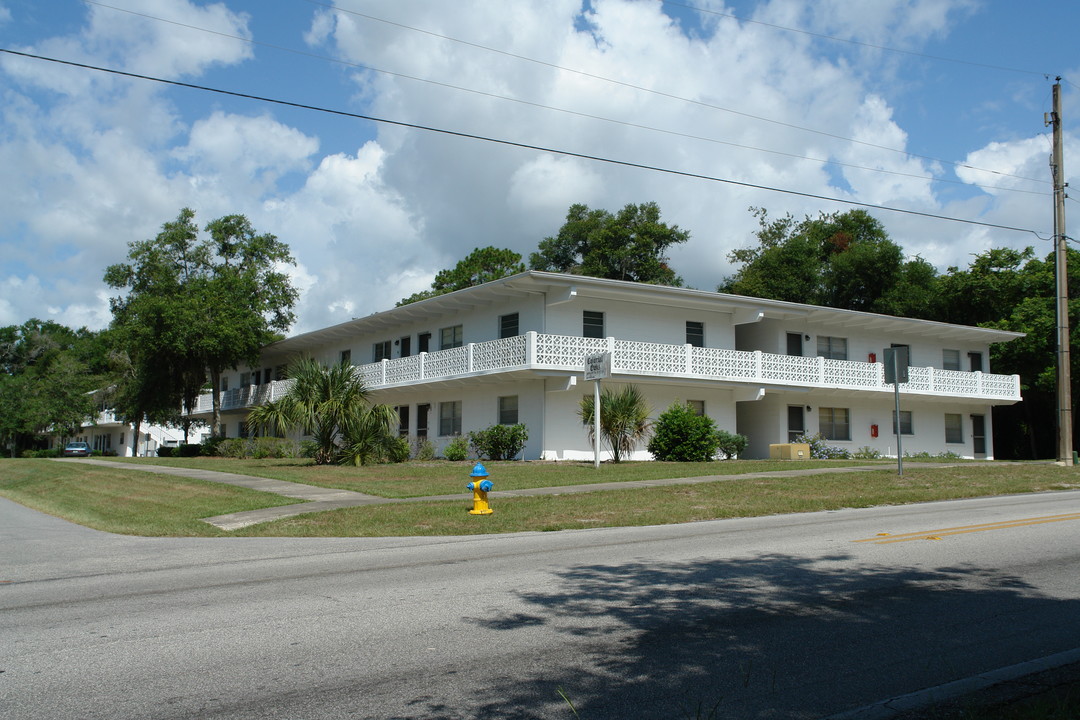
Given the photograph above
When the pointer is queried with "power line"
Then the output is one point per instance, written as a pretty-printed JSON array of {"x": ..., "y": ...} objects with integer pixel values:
[
  {"x": 525, "y": 146},
  {"x": 671, "y": 96},
  {"x": 576, "y": 113}
]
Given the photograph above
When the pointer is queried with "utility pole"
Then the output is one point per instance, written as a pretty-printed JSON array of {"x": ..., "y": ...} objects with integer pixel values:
[{"x": 1064, "y": 380}]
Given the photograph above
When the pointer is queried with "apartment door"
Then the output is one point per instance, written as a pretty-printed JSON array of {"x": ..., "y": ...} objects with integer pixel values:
[
  {"x": 978, "y": 435},
  {"x": 976, "y": 360},
  {"x": 403, "y": 420},
  {"x": 406, "y": 346},
  {"x": 794, "y": 344},
  {"x": 796, "y": 422},
  {"x": 423, "y": 340}
]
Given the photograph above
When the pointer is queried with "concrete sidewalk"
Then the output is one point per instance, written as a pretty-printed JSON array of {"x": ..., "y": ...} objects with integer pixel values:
[{"x": 319, "y": 499}]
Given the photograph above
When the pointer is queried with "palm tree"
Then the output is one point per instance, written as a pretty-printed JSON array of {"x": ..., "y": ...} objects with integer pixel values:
[
  {"x": 329, "y": 402},
  {"x": 624, "y": 419}
]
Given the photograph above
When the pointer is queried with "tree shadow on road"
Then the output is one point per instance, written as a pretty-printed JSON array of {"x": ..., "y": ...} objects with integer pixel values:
[{"x": 775, "y": 636}]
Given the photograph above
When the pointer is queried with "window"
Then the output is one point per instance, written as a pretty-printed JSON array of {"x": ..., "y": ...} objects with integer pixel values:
[
  {"x": 403, "y": 420},
  {"x": 346, "y": 357},
  {"x": 954, "y": 428},
  {"x": 835, "y": 423},
  {"x": 794, "y": 344},
  {"x": 592, "y": 324},
  {"x": 696, "y": 406},
  {"x": 451, "y": 337},
  {"x": 508, "y": 325},
  {"x": 832, "y": 348},
  {"x": 450, "y": 418},
  {"x": 950, "y": 359},
  {"x": 422, "y": 412},
  {"x": 380, "y": 351},
  {"x": 245, "y": 379},
  {"x": 905, "y": 423},
  {"x": 508, "y": 410},
  {"x": 695, "y": 333}
]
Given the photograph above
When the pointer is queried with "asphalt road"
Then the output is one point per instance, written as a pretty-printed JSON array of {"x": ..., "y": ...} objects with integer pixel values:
[{"x": 796, "y": 616}]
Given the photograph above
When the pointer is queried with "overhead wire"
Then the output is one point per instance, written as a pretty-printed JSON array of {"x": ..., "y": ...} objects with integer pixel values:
[
  {"x": 520, "y": 101},
  {"x": 512, "y": 143},
  {"x": 672, "y": 96}
]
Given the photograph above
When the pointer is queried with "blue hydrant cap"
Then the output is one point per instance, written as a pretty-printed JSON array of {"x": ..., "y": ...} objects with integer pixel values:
[
  {"x": 486, "y": 485},
  {"x": 478, "y": 471}
]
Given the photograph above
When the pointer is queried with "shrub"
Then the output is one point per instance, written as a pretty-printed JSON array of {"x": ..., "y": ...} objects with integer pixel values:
[
  {"x": 166, "y": 451},
  {"x": 820, "y": 451},
  {"x": 731, "y": 444},
  {"x": 308, "y": 448},
  {"x": 210, "y": 445},
  {"x": 499, "y": 442},
  {"x": 866, "y": 453},
  {"x": 457, "y": 449},
  {"x": 680, "y": 435},
  {"x": 232, "y": 448},
  {"x": 422, "y": 449},
  {"x": 189, "y": 450}
]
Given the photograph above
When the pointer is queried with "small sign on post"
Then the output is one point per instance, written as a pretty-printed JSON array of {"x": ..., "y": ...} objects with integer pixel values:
[
  {"x": 597, "y": 367},
  {"x": 896, "y": 372}
]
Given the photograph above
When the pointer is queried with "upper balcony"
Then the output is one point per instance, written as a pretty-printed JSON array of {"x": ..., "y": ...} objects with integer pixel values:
[{"x": 642, "y": 360}]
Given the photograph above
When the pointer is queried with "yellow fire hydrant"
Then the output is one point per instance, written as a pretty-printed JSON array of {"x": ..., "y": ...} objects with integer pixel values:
[{"x": 479, "y": 491}]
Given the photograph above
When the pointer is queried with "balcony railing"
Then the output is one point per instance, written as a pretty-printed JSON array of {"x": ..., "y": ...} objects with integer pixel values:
[{"x": 534, "y": 351}]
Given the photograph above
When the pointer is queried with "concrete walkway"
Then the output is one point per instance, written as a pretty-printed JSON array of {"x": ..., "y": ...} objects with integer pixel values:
[{"x": 318, "y": 499}]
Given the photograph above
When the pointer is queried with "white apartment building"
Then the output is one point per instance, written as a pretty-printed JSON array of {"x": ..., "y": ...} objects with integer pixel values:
[{"x": 514, "y": 350}]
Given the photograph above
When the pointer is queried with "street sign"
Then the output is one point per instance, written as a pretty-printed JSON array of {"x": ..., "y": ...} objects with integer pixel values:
[
  {"x": 896, "y": 364},
  {"x": 598, "y": 366}
]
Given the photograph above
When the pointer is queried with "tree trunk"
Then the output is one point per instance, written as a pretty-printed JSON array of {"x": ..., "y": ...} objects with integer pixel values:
[
  {"x": 137, "y": 431},
  {"x": 215, "y": 394}
]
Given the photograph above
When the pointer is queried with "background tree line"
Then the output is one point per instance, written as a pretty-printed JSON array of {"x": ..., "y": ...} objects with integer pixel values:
[{"x": 191, "y": 306}]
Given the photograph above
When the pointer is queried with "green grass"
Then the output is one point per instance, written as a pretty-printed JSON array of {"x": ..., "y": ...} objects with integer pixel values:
[
  {"x": 126, "y": 501},
  {"x": 419, "y": 479}
]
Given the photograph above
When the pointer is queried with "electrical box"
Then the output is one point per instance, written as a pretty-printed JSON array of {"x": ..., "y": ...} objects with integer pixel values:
[{"x": 789, "y": 451}]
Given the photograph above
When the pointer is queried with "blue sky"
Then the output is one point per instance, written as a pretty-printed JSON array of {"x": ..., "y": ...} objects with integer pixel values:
[{"x": 740, "y": 90}]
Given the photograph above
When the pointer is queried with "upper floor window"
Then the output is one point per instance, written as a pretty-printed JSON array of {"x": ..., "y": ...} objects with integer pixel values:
[
  {"x": 592, "y": 324},
  {"x": 695, "y": 333},
  {"x": 346, "y": 357},
  {"x": 834, "y": 423},
  {"x": 380, "y": 351},
  {"x": 950, "y": 359},
  {"x": 245, "y": 379},
  {"x": 508, "y": 325},
  {"x": 451, "y": 337},
  {"x": 832, "y": 348}
]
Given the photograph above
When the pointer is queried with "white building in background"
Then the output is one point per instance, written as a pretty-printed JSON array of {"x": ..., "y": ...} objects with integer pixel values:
[
  {"x": 108, "y": 434},
  {"x": 513, "y": 350}
]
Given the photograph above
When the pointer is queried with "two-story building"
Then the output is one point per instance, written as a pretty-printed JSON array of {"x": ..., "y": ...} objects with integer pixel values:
[{"x": 514, "y": 350}]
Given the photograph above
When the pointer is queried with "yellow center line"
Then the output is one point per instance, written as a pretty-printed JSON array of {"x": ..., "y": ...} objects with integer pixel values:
[{"x": 886, "y": 538}]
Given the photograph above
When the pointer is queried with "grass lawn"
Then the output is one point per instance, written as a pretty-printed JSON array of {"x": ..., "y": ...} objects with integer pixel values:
[{"x": 125, "y": 501}]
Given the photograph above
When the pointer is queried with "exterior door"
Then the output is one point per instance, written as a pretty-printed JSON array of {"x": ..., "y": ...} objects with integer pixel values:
[
  {"x": 794, "y": 344},
  {"x": 422, "y": 412},
  {"x": 978, "y": 435},
  {"x": 796, "y": 422},
  {"x": 406, "y": 346}
]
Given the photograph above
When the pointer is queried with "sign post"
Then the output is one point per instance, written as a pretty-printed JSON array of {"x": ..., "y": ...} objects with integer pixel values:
[
  {"x": 896, "y": 372},
  {"x": 597, "y": 367}
]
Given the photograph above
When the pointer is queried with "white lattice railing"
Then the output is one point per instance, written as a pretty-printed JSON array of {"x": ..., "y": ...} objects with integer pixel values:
[{"x": 534, "y": 351}]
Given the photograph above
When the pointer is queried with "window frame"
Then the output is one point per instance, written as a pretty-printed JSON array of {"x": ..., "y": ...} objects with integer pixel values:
[
  {"x": 382, "y": 350},
  {"x": 835, "y": 348},
  {"x": 695, "y": 333},
  {"x": 950, "y": 361},
  {"x": 450, "y": 418},
  {"x": 508, "y": 415},
  {"x": 910, "y": 421},
  {"x": 590, "y": 320},
  {"x": 452, "y": 336},
  {"x": 954, "y": 435},
  {"x": 829, "y": 426},
  {"x": 508, "y": 322}
]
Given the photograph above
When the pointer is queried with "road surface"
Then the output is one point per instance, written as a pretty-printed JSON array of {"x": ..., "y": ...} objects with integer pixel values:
[{"x": 794, "y": 616}]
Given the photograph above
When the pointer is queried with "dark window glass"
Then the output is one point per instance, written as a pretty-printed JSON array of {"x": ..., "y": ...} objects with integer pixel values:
[
  {"x": 592, "y": 324},
  {"x": 695, "y": 333}
]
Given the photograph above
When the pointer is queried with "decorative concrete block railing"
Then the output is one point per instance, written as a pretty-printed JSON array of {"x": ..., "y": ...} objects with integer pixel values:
[{"x": 534, "y": 351}]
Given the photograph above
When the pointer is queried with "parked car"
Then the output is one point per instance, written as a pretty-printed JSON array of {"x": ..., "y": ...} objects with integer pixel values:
[{"x": 76, "y": 449}]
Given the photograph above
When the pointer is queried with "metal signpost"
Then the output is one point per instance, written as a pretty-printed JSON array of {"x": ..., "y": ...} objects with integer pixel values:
[
  {"x": 896, "y": 372},
  {"x": 597, "y": 367}
]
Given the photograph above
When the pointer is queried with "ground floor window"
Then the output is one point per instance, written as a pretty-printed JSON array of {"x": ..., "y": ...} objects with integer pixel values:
[
  {"x": 103, "y": 443},
  {"x": 508, "y": 410},
  {"x": 906, "y": 427},
  {"x": 834, "y": 423},
  {"x": 450, "y": 418},
  {"x": 954, "y": 428},
  {"x": 696, "y": 406}
]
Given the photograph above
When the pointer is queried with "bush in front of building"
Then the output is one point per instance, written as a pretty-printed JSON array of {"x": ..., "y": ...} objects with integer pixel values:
[
  {"x": 819, "y": 450},
  {"x": 257, "y": 448},
  {"x": 681, "y": 435},
  {"x": 457, "y": 449},
  {"x": 730, "y": 444},
  {"x": 499, "y": 442}
]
